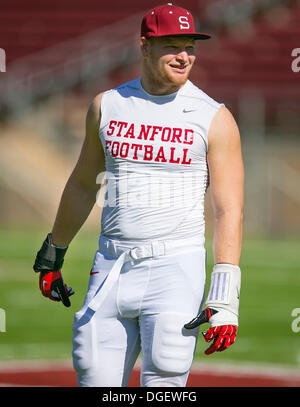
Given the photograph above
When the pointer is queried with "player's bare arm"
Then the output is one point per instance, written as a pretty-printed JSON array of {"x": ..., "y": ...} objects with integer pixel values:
[
  {"x": 79, "y": 195},
  {"x": 76, "y": 203},
  {"x": 226, "y": 172}
]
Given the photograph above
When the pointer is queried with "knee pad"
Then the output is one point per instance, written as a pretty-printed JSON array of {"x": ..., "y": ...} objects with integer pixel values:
[
  {"x": 84, "y": 344},
  {"x": 173, "y": 346}
]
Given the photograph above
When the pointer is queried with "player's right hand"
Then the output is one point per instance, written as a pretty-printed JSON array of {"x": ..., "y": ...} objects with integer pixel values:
[
  {"x": 48, "y": 263},
  {"x": 53, "y": 287}
]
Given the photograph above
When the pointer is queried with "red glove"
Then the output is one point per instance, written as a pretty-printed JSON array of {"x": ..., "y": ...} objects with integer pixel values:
[
  {"x": 52, "y": 286},
  {"x": 223, "y": 335}
]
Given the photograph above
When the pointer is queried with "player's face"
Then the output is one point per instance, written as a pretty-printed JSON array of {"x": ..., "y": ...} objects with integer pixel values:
[{"x": 169, "y": 60}]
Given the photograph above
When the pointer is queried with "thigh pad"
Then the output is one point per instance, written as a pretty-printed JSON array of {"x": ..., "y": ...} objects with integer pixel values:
[{"x": 173, "y": 346}]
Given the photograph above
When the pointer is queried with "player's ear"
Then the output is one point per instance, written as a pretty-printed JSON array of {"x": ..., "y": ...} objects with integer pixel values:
[{"x": 144, "y": 44}]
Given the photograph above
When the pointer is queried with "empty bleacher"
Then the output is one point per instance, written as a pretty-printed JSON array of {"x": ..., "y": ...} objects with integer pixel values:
[
  {"x": 27, "y": 27},
  {"x": 252, "y": 55},
  {"x": 246, "y": 65}
]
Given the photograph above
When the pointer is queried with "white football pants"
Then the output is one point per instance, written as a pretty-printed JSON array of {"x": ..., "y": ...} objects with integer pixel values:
[{"x": 156, "y": 289}]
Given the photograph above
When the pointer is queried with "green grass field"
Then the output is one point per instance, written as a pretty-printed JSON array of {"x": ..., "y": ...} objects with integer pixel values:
[{"x": 37, "y": 328}]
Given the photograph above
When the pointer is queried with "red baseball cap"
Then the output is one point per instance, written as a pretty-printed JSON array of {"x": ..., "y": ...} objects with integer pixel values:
[{"x": 170, "y": 20}]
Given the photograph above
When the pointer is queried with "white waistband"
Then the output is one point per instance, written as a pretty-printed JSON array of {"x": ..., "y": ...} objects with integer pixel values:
[
  {"x": 129, "y": 250},
  {"x": 145, "y": 249}
]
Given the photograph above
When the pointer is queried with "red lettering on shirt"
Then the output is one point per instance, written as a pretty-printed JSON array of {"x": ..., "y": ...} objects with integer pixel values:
[
  {"x": 165, "y": 153},
  {"x": 136, "y": 147},
  {"x": 155, "y": 131},
  {"x": 172, "y": 160},
  {"x": 160, "y": 155},
  {"x": 124, "y": 151},
  {"x": 188, "y": 139},
  {"x": 130, "y": 131},
  {"x": 121, "y": 126},
  {"x": 144, "y": 132},
  {"x": 112, "y": 123},
  {"x": 184, "y": 160},
  {"x": 107, "y": 144},
  {"x": 148, "y": 154},
  {"x": 177, "y": 132},
  {"x": 115, "y": 148},
  {"x": 164, "y": 136}
]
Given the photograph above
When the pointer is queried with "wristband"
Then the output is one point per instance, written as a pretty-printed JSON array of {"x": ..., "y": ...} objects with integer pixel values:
[
  {"x": 49, "y": 257},
  {"x": 224, "y": 293},
  {"x": 59, "y": 247}
]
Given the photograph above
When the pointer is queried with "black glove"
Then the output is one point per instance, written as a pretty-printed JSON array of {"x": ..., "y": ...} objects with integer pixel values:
[
  {"x": 48, "y": 262},
  {"x": 201, "y": 318},
  {"x": 49, "y": 257}
]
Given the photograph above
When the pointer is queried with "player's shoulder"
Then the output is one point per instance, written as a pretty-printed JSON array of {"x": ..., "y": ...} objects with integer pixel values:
[
  {"x": 125, "y": 89},
  {"x": 133, "y": 84},
  {"x": 93, "y": 114},
  {"x": 224, "y": 124},
  {"x": 96, "y": 105},
  {"x": 108, "y": 97},
  {"x": 197, "y": 95}
]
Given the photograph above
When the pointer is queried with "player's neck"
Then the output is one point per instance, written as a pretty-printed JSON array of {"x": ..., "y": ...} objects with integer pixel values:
[{"x": 157, "y": 87}]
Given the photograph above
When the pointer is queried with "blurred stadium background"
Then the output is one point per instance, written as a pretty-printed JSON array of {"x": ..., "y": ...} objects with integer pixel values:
[{"x": 59, "y": 55}]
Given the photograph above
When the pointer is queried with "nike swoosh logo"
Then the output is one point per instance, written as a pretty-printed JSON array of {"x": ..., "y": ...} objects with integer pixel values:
[
  {"x": 189, "y": 110},
  {"x": 94, "y": 272},
  {"x": 44, "y": 285}
]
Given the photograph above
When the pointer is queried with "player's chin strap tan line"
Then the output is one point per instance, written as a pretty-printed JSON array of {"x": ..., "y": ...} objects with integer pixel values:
[{"x": 222, "y": 307}]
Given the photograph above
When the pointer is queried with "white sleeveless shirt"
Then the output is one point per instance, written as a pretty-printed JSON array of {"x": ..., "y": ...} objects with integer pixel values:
[{"x": 156, "y": 168}]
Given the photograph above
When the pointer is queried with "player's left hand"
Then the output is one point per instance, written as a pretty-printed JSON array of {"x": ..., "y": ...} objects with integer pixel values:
[
  {"x": 53, "y": 287},
  {"x": 222, "y": 335}
]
